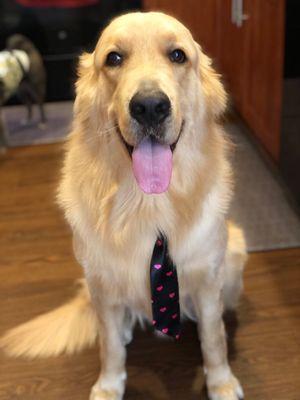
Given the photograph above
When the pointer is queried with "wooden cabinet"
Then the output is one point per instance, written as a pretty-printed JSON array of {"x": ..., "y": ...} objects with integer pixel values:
[
  {"x": 232, "y": 52},
  {"x": 199, "y": 16},
  {"x": 250, "y": 54},
  {"x": 262, "y": 102}
]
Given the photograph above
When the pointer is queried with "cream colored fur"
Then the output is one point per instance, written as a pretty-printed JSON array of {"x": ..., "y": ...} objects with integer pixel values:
[
  {"x": 67, "y": 329},
  {"x": 115, "y": 225},
  {"x": 72, "y": 327}
]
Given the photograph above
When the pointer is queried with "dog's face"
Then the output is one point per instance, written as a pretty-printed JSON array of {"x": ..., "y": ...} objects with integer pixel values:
[
  {"x": 148, "y": 61},
  {"x": 148, "y": 70}
]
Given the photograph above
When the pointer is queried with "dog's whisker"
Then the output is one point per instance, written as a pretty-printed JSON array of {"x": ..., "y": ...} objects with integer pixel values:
[
  {"x": 99, "y": 134},
  {"x": 105, "y": 132},
  {"x": 108, "y": 130}
]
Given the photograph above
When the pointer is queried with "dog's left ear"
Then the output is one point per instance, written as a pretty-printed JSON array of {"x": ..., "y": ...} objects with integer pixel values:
[{"x": 213, "y": 89}]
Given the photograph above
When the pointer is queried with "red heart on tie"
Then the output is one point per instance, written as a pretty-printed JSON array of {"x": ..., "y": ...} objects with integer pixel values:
[
  {"x": 153, "y": 322},
  {"x": 157, "y": 266},
  {"x": 171, "y": 295},
  {"x": 159, "y": 288},
  {"x": 169, "y": 273},
  {"x": 174, "y": 316},
  {"x": 163, "y": 309},
  {"x": 165, "y": 330},
  {"x": 159, "y": 242},
  {"x": 177, "y": 337}
]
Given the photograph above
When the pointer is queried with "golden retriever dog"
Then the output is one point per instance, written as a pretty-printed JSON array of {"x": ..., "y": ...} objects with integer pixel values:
[{"x": 146, "y": 155}]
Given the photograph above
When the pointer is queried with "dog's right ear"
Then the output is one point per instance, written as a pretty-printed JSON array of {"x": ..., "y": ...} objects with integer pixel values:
[
  {"x": 86, "y": 81},
  {"x": 85, "y": 70},
  {"x": 85, "y": 87},
  {"x": 86, "y": 60},
  {"x": 90, "y": 93}
]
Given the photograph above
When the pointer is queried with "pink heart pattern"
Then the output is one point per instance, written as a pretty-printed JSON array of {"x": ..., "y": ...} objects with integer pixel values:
[{"x": 164, "y": 290}]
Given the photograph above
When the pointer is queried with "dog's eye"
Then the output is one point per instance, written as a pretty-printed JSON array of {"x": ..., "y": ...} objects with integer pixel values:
[
  {"x": 177, "y": 56},
  {"x": 114, "y": 59}
]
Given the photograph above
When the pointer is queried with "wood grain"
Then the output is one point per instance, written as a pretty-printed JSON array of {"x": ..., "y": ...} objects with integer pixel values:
[
  {"x": 250, "y": 57},
  {"x": 37, "y": 273},
  {"x": 264, "y": 73},
  {"x": 199, "y": 16}
]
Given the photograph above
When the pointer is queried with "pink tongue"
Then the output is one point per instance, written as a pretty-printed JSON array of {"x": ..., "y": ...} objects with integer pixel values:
[{"x": 152, "y": 166}]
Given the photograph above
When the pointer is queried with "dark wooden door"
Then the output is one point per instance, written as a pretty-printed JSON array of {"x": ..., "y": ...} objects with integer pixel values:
[
  {"x": 249, "y": 54},
  {"x": 263, "y": 87},
  {"x": 232, "y": 52},
  {"x": 199, "y": 16},
  {"x": 251, "y": 57}
]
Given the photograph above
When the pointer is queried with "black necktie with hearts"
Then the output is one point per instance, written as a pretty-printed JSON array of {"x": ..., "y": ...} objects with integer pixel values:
[{"x": 164, "y": 290}]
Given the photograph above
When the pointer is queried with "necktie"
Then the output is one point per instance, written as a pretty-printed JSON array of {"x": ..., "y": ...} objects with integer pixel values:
[{"x": 164, "y": 290}]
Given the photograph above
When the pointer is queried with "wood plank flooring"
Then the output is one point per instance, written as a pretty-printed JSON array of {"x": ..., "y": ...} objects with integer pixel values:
[{"x": 37, "y": 273}]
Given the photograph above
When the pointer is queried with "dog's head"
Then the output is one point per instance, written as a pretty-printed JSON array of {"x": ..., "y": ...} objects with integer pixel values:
[
  {"x": 154, "y": 84},
  {"x": 19, "y": 42}
]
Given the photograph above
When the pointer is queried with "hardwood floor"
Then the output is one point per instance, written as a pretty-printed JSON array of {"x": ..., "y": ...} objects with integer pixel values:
[{"x": 37, "y": 273}]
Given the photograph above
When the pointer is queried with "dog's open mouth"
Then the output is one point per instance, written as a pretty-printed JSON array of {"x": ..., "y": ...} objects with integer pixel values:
[{"x": 152, "y": 163}]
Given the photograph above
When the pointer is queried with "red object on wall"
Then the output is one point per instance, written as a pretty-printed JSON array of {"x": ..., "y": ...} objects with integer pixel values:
[{"x": 57, "y": 3}]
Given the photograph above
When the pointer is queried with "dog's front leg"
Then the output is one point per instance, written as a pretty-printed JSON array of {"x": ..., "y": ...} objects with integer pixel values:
[
  {"x": 113, "y": 335},
  {"x": 221, "y": 383}
]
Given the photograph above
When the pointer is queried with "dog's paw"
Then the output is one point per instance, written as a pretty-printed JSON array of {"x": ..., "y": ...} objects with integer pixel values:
[
  {"x": 230, "y": 390},
  {"x": 98, "y": 394},
  {"x": 109, "y": 388}
]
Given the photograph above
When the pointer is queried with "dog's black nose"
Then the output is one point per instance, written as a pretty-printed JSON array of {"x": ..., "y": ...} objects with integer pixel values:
[{"x": 150, "y": 110}]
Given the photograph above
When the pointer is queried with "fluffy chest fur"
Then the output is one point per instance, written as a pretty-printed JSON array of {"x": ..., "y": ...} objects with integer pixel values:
[
  {"x": 121, "y": 264},
  {"x": 115, "y": 226}
]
